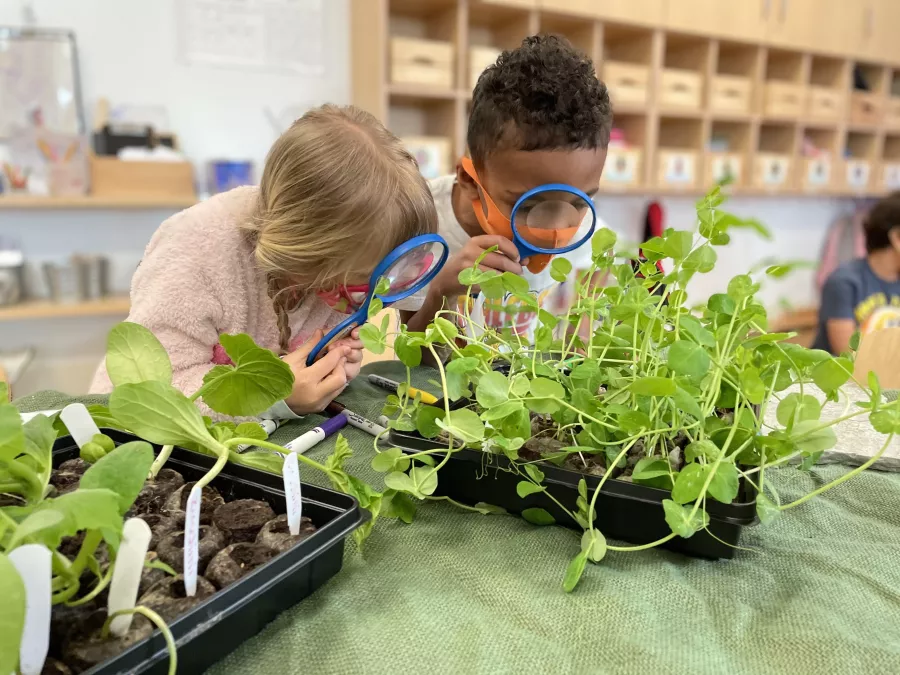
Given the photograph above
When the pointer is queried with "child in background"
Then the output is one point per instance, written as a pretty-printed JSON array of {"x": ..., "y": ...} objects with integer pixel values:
[
  {"x": 864, "y": 294},
  {"x": 539, "y": 115},
  {"x": 338, "y": 193}
]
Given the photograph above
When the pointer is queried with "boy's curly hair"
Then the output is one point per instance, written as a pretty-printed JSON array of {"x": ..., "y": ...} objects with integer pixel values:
[
  {"x": 544, "y": 95},
  {"x": 882, "y": 219}
]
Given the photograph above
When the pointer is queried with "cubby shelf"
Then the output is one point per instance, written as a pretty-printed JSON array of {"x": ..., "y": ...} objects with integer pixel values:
[{"x": 787, "y": 103}]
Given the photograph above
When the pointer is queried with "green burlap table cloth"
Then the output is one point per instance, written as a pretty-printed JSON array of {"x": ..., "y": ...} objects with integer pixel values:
[{"x": 457, "y": 592}]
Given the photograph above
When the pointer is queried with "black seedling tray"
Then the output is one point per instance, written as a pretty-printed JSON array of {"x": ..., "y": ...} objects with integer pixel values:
[
  {"x": 624, "y": 510},
  {"x": 229, "y": 617}
]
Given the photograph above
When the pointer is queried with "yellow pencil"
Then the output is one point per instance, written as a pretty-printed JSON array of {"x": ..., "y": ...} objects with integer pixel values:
[{"x": 391, "y": 385}]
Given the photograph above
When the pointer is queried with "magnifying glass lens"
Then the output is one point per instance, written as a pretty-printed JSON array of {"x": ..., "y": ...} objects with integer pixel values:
[
  {"x": 551, "y": 220},
  {"x": 408, "y": 270}
]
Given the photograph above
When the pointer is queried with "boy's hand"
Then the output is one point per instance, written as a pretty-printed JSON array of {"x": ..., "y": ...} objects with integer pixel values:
[
  {"x": 317, "y": 385},
  {"x": 505, "y": 259},
  {"x": 354, "y": 357}
]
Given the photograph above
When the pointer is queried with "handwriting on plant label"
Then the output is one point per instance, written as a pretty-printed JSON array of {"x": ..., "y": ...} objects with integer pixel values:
[
  {"x": 291, "y": 475},
  {"x": 191, "y": 540}
]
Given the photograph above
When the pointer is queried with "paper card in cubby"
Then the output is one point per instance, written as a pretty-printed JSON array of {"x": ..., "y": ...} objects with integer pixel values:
[
  {"x": 775, "y": 170},
  {"x": 621, "y": 166},
  {"x": 432, "y": 154},
  {"x": 858, "y": 171},
  {"x": 818, "y": 172},
  {"x": 891, "y": 176},
  {"x": 726, "y": 168},
  {"x": 679, "y": 168}
]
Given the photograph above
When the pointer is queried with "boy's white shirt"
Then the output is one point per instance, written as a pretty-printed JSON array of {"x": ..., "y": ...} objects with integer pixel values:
[{"x": 491, "y": 313}]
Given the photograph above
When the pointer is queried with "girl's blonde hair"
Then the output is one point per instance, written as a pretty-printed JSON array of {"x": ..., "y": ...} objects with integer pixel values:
[{"x": 338, "y": 193}]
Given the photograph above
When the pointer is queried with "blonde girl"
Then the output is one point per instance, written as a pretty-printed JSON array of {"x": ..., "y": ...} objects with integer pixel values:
[{"x": 337, "y": 194}]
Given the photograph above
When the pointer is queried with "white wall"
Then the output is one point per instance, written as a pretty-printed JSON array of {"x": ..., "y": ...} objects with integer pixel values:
[{"x": 128, "y": 53}]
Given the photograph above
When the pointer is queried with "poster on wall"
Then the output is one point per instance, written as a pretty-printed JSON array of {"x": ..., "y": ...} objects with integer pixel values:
[{"x": 273, "y": 35}]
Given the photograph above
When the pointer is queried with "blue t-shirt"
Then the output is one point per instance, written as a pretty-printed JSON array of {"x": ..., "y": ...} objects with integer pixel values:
[{"x": 853, "y": 291}]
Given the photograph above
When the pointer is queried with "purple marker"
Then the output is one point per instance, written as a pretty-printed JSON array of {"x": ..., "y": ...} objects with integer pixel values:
[{"x": 314, "y": 436}]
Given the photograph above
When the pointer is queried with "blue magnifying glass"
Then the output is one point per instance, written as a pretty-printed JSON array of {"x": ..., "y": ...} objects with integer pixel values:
[
  {"x": 546, "y": 220},
  {"x": 406, "y": 269}
]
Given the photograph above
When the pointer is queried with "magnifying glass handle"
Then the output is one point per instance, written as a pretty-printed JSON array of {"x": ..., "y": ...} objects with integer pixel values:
[{"x": 336, "y": 334}]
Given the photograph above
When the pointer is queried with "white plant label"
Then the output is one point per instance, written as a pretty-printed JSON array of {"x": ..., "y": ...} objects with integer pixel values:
[
  {"x": 28, "y": 416},
  {"x": 192, "y": 540},
  {"x": 291, "y": 475},
  {"x": 79, "y": 423},
  {"x": 123, "y": 589},
  {"x": 33, "y": 562}
]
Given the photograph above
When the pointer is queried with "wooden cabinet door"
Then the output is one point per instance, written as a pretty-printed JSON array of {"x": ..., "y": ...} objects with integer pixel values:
[
  {"x": 821, "y": 25},
  {"x": 742, "y": 20},
  {"x": 524, "y": 4},
  {"x": 881, "y": 23},
  {"x": 645, "y": 12}
]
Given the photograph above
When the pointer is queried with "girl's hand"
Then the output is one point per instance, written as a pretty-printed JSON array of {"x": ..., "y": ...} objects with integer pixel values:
[
  {"x": 317, "y": 385},
  {"x": 355, "y": 357}
]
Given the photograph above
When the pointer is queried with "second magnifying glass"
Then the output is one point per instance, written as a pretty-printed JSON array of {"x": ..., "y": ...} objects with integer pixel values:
[
  {"x": 407, "y": 269},
  {"x": 547, "y": 219}
]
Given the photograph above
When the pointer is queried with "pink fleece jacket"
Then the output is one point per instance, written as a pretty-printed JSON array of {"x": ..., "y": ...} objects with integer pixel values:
[{"x": 198, "y": 279}]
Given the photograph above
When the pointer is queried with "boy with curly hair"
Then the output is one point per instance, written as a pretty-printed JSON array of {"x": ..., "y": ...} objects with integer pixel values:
[{"x": 539, "y": 115}]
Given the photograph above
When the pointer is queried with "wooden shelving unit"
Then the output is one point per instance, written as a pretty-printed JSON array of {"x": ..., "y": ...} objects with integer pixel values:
[
  {"x": 788, "y": 98},
  {"x": 43, "y": 309},
  {"x": 89, "y": 202}
]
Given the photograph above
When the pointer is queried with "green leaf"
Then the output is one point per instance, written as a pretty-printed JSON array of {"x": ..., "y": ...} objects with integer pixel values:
[
  {"x": 520, "y": 385},
  {"x": 390, "y": 460},
  {"x": 39, "y": 438},
  {"x": 547, "y": 319},
  {"x": 426, "y": 420},
  {"x": 374, "y": 307},
  {"x": 492, "y": 390},
  {"x": 854, "y": 341},
  {"x": 560, "y": 269},
  {"x": 678, "y": 244},
  {"x": 534, "y": 473},
  {"x": 257, "y": 381},
  {"x": 574, "y": 572},
  {"x": 37, "y": 522},
  {"x": 398, "y": 505},
  {"x": 810, "y": 439},
  {"x": 159, "y": 413},
  {"x": 721, "y": 304},
  {"x": 458, "y": 374},
  {"x": 634, "y": 422},
  {"x": 134, "y": 354},
  {"x": 695, "y": 329},
  {"x": 653, "y": 386},
  {"x": 602, "y": 241},
  {"x": 544, "y": 390},
  {"x": 831, "y": 374},
  {"x": 687, "y": 403},
  {"x": 250, "y": 430},
  {"x": 538, "y": 517},
  {"x": 885, "y": 421},
  {"x": 372, "y": 338},
  {"x": 702, "y": 260},
  {"x": 680, "y": 521},
  {"x": 752, "y": 385},
  {"x": 796, "y": 408},
  {"x": 489, "y": 509},
  {"x": 741, "y": 287},
  {"x": 766, "y": 509},
  {"x": 687, "y": 358},
  {"x": 82, "y": 509},
  {"x": 259, "y": 459},
  {"x": 12, "y": 616},
  {"x": 425, "y": 478},
  {"x": 409, "y": 355},
  {"x": 724, "y": 484},
  {"x": 703, "y": 448},
  {"x": 501, "y": 411},
  {"x": 447, "y": 330},
  {"x": 650, "y": 467},
  {"x": 524, "y": 488},
  {"x": 464, "y": 424},
  {"x": 515, "y": 284},
  {"x": 593, "y": 545},
  {"x": 123, "y": 471},
  {"x": 397, "y": 480},
  {"x": 12, "y": 436},
  {"x": 689, "y": 483}
]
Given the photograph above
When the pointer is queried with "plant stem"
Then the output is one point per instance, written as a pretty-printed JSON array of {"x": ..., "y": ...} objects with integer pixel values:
[
  {"x": 846, "y": 476},
  {"x": 277, "y": 448},
  {"x": 96, "y": 590},
  {"x": 158, "y": 622},
  {"x": 160, "y": 460},
  {"x": 642, "y": 547}
]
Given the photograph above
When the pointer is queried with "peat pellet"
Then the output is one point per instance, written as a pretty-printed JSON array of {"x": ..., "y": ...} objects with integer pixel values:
[
  {"x": 54, "y": 667},
  {"x": 151, "y": 575},
  {"x": 169, "y": 599},
  {"x": 85, "y": 647},
  {"x": 156, "y": 492},
  {"x": 171, "y": 548},
  {"x": 233, "y": 562},
  {"x": 76, "y": 465},
  {"x": 63, "y": 620},
  {"x": 277, "y": 535},
  {"x": 242, "y": 519},
  {"x": 64, "y": 481},
  {"x": 210, "y": 500},
  {"x": 160, "y": 525}
]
